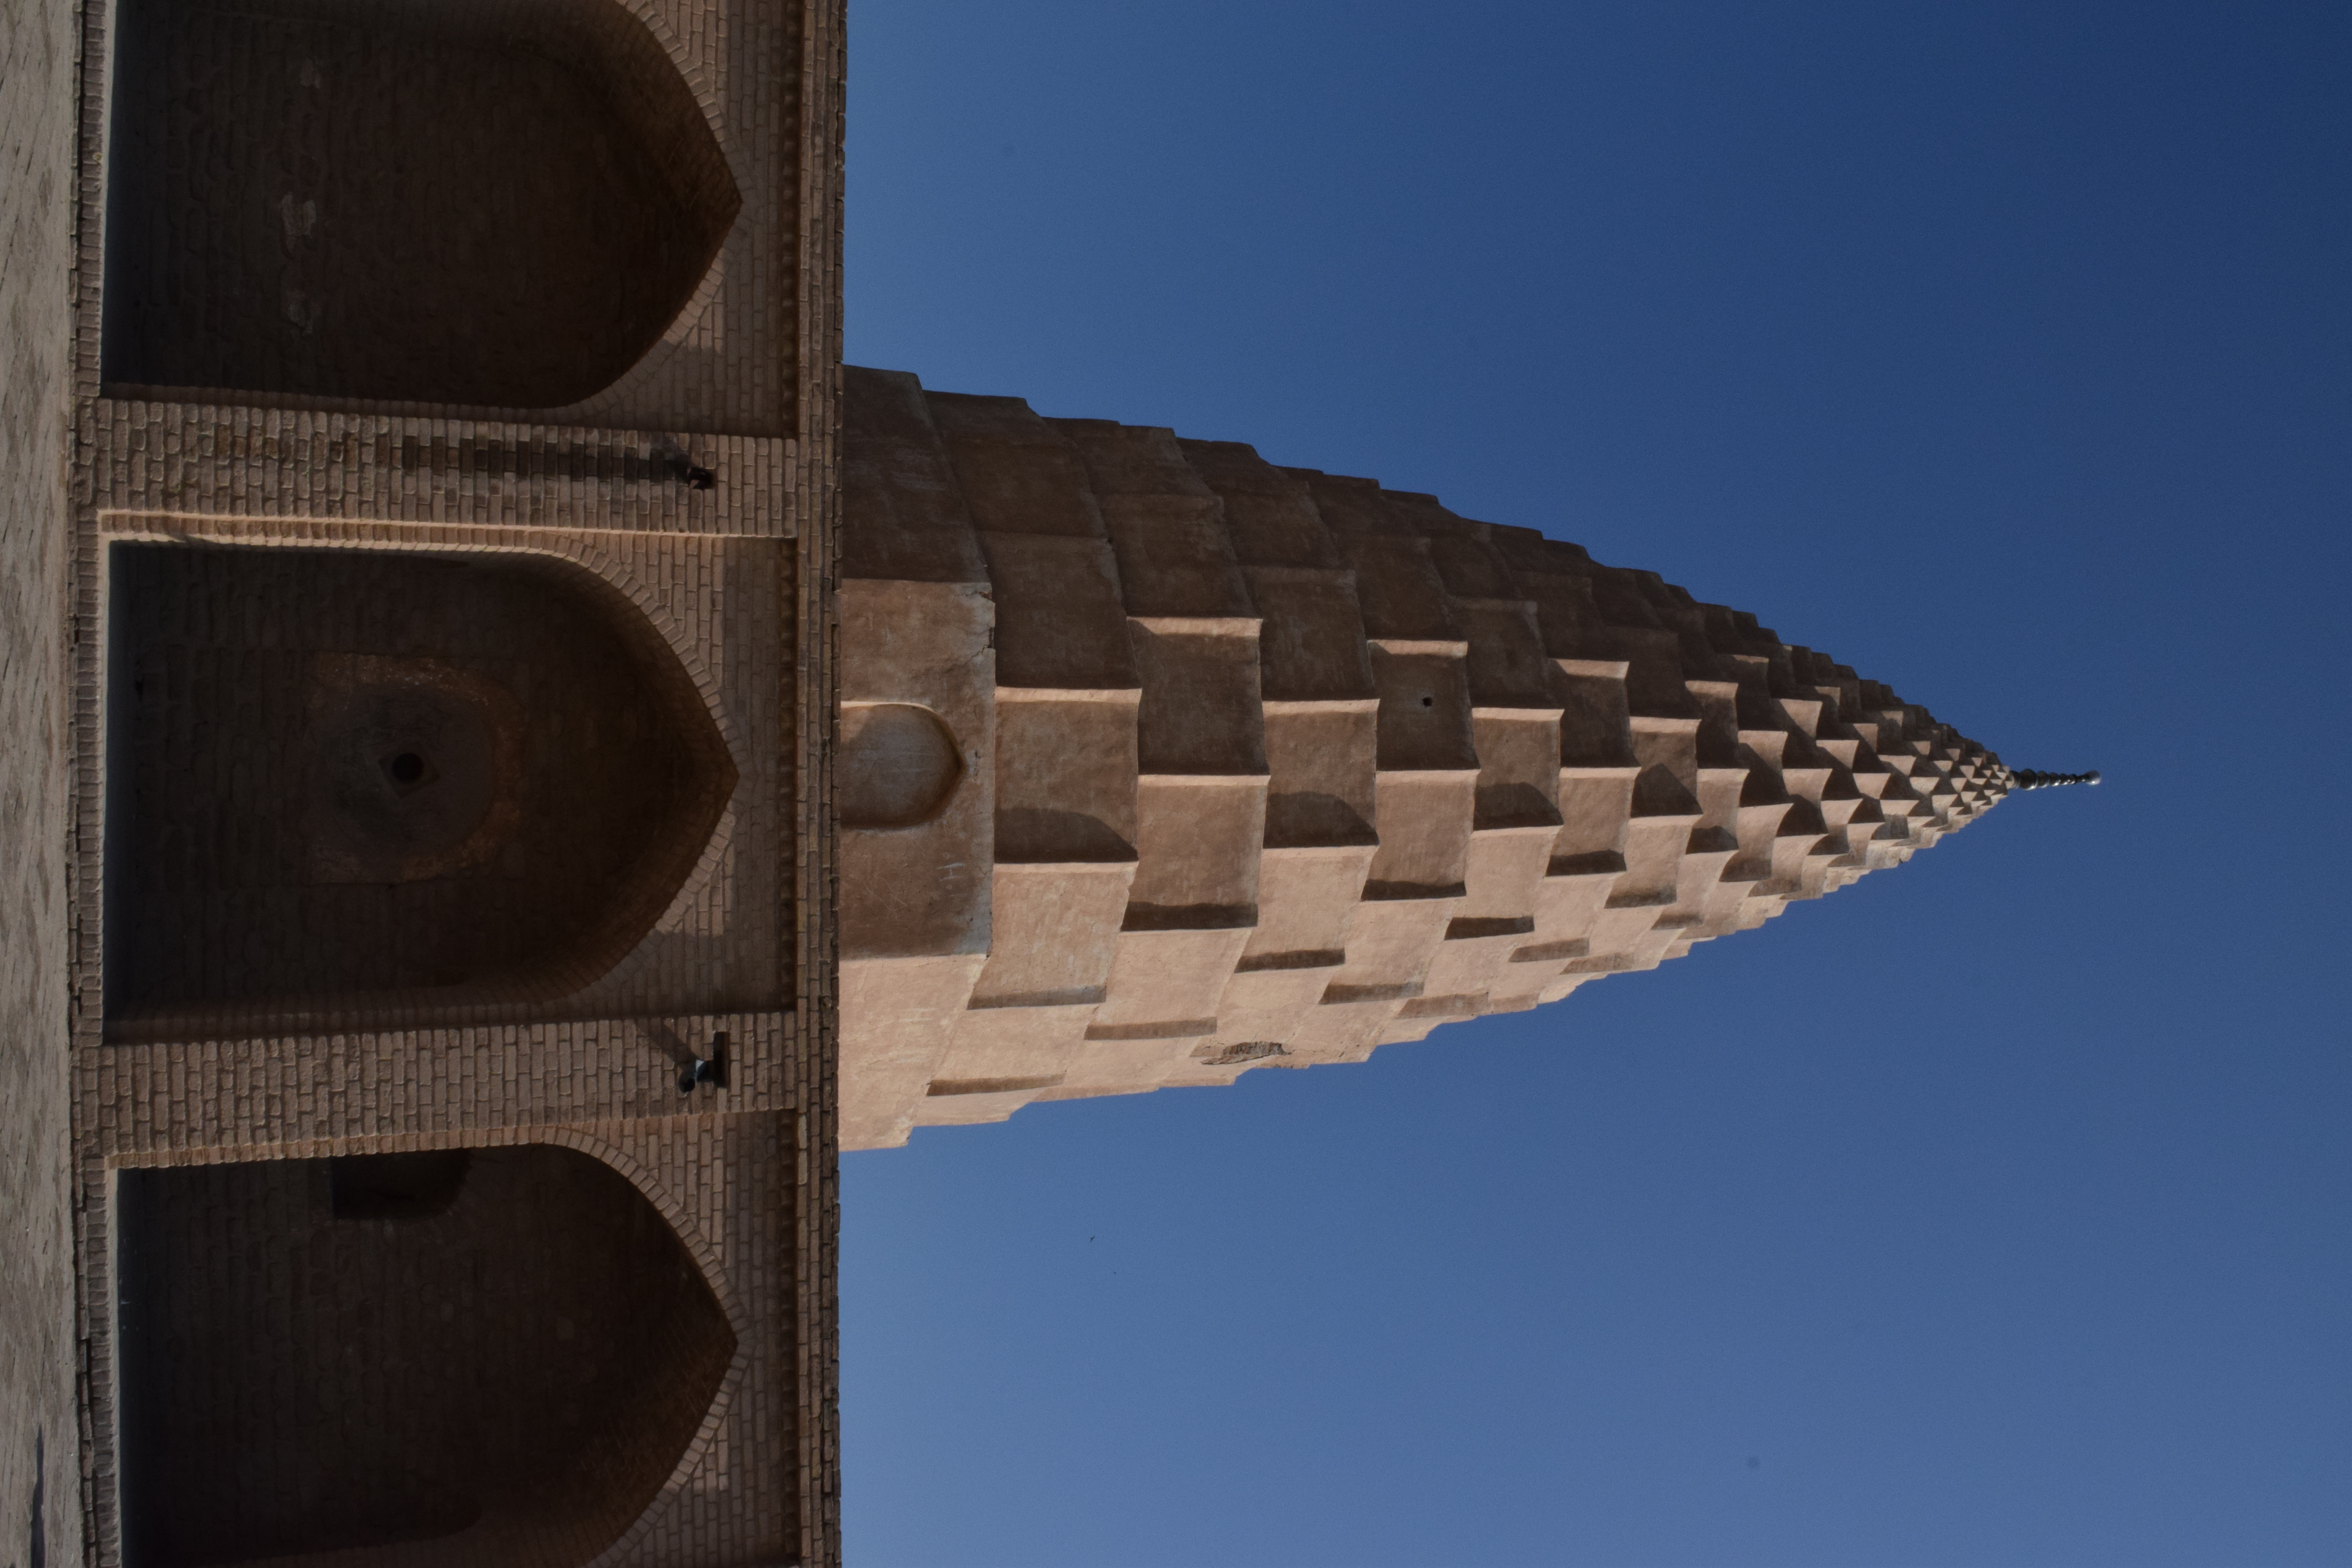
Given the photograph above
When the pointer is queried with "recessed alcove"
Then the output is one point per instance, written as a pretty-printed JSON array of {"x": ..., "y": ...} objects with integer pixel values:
[
  {"x": 494, "y": 1355},
  {"x": 896, "y": 764},
  {"x": 498, "y": 203},
  {"x": 383, "y": 787}
]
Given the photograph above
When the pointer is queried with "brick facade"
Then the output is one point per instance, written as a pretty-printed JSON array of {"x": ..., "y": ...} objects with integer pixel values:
[
  {"x": 39, "y": 1457},
  {"x": 493, "y": 1402},
  {"x": 448, "y": 522}
]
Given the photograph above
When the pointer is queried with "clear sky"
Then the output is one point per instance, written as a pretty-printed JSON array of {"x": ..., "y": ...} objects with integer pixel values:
[{"x": 1995, "y": 1211}]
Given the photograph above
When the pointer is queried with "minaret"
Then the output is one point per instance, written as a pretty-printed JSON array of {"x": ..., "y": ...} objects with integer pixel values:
[{"x": 1160, "y": 762}]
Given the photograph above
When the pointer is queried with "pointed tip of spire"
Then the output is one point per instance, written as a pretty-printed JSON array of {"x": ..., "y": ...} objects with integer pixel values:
[{"x": 2027, "y": 778}]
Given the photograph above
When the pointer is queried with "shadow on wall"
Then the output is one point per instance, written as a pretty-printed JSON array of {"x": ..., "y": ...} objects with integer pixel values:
[
  {"x": 387, "y": 785},
  {"x": 477, "y": 202},
  {"x": 496, "y": 1355},
  {"x": 37, "y": 1533}
]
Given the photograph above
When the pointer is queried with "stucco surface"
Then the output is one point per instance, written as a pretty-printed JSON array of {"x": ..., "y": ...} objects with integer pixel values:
[
  {"x": 40, "y": 1512},
  {"x": 1268, "y": 767}
]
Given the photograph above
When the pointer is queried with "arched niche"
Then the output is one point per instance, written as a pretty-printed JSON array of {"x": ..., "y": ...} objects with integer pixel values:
[
  {"x": 492, "y": 1355},
  {"x": 385, "y": 788},
  {"x": 896, "y": 765},
  {"x": 499, "y": 203}
]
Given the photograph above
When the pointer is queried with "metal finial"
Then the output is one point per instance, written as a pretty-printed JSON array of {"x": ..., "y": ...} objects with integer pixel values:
[{"x": 2026, "y": 778}]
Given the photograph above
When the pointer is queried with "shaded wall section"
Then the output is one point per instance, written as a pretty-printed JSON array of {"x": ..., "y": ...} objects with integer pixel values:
[
  {"x": 450, "y": 1357},
  {"x": 434, "y": 201},
  {"x": 40, "y": 1516},
  {"x": 368, "y": 783}
]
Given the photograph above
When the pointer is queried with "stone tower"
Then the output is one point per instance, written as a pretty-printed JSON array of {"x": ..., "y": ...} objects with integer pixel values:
[{"x": 1160, "y": 762}]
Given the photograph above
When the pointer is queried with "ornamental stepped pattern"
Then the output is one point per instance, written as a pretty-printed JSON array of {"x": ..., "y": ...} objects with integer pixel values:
[{"x": 1160, "y": 763}]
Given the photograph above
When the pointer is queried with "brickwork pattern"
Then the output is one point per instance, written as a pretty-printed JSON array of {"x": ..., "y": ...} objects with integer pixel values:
[
  {"x": 306, "y": 1095},
  {"x": 726, "y": 360},
  {"x": 712, "y": 1179},
  {"x": 263, "y": 852},
  {"x": 38, "y": 1473},
  {"x": 704, "y": 604},
  {"x": 446, "y": 206},
  {"x": 1286, "y": 766},
  {"x": 532, "y": 1361},
  {"x": 602, "y": 1087},
  {"x": 201, "y": 459},
  {"x": 817, "y": 1215},
  {"x": 696, "y": 493}
]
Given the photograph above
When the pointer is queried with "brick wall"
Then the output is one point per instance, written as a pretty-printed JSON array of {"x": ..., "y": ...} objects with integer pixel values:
[
  {"x": 816, "y": 1208},
  {"x": 501, "y": 206},
  {"x": 701, "y": 609},
  {"x": 513, "y": 1378},
  {"x": 40, "y": 1519},
  {"x": 444, "y": 206},
  {"x": 726, "y": 576},
  {"x": 263, "y": 847}
]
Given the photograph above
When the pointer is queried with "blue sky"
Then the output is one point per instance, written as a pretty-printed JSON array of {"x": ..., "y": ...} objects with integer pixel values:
[{"x": 1993, "y": 1211}]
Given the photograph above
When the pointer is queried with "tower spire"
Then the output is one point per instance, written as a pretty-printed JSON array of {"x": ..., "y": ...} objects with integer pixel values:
[{"x": 1160, "y": 763}]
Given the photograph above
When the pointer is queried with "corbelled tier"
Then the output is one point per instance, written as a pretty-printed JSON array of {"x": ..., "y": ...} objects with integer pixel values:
[{"x": 1160, "y": 762}]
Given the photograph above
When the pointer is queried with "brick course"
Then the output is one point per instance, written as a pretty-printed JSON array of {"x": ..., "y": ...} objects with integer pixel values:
[
  {"x": 289, "y": 499},
  {"x": 38, "y": 1464}
]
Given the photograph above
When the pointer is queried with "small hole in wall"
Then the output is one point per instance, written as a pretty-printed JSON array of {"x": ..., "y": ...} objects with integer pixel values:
[
  {"x": 408, "y": 772},
  {"x": 1429, "y": 702}
]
